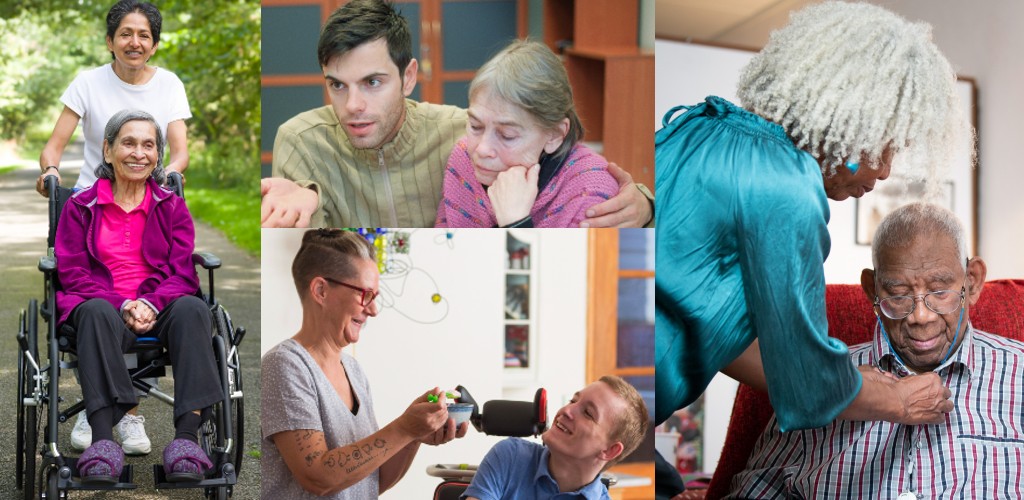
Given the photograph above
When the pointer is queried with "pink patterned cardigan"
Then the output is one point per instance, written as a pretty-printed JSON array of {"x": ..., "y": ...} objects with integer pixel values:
[{"x": 582, "y": 181}]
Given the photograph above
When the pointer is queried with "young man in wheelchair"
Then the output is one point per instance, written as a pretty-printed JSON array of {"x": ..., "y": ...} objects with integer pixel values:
[
  {"x": 602, "y": 424},
  {"x": 124, "y": 248}
]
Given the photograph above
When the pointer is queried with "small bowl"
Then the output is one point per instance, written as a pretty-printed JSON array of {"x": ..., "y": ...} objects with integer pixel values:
[{"x": 460, "y": 412}]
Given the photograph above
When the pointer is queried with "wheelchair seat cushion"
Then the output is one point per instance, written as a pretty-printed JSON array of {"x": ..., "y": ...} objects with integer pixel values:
[
  {"x": 184, "y": 460},
  {"x": 101, "y": 462}
]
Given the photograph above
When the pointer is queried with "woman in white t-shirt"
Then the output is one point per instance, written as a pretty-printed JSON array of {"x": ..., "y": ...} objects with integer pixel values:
[{"x": 128, "y": 82}]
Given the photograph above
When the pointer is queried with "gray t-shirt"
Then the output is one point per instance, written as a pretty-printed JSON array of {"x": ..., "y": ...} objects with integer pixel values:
[{"x": 297, "y": 395}]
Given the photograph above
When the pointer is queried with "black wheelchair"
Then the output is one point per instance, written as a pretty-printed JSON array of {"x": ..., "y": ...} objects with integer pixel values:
[{"x": 39, "y": 403}]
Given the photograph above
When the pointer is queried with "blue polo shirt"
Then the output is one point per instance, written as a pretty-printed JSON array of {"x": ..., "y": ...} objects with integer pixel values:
[{"x": 517, "y": 468}]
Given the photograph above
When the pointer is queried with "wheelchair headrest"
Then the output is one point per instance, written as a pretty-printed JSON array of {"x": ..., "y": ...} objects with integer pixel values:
[{"x": 509, "y": 418}]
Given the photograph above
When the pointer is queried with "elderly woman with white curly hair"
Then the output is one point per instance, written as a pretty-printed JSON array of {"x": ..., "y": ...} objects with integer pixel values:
[{"x": 835, "y": 99}]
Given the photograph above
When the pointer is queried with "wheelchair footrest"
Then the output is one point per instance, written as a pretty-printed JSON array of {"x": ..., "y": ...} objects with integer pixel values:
[
  {"x": 68, "y": 479},
  {"x": 227, "y": 477}
]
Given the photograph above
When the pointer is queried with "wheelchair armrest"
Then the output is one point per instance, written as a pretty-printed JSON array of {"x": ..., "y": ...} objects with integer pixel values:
[
  {"x": 48, "y": 264},
  {"x": 206, "y": 259}
]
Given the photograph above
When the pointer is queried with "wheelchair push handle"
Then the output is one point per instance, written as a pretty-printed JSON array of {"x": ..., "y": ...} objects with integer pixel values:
[
  {"x": 176, "y": 182},
  {"x": 51, "y": 186}
]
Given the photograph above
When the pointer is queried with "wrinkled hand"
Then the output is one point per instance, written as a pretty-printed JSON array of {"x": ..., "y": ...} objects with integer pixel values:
[
  {"x": 139, "y": 317},
  {"x": 513, "y": 193},
  {"x": 924, "y": 399},
  {"x": 422, "y": 418},
  {"x": 629, "y": 208},
  {"x": 40, "y": 187},
  {"x": 285, "y": 203},
  {"x": 877, "y": 374}
]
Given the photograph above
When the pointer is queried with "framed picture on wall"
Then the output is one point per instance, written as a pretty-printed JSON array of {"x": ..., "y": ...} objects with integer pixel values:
[{"x": 890, "y": 195}]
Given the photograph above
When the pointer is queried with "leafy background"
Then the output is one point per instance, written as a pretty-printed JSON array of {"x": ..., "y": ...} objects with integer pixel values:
[{"x": 213, "y": 46}]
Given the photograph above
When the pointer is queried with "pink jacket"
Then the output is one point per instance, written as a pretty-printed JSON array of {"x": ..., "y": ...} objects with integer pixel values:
[
  {"x": 581, "y": 182},
  {"x": 167, "y": 245}
]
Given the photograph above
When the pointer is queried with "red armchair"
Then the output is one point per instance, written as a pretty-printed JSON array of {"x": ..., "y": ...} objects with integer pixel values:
[{"x": 1000, "y": 310}]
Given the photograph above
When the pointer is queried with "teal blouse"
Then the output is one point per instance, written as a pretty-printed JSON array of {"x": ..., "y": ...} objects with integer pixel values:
[{"x": 742, "y": 237}]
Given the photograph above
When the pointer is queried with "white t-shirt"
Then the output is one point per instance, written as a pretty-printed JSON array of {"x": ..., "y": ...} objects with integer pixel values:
[{"x": 98, "y": 93}]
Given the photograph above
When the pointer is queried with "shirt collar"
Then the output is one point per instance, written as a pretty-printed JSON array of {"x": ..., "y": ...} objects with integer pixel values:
[
  {"x": 105, "y": 195},
  {"x": 885, "y": 359},
  {"x": 593, "y": 489}
]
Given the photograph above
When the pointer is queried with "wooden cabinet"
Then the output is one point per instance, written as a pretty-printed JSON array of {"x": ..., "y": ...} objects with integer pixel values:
[{"x": 611, "y": 76}]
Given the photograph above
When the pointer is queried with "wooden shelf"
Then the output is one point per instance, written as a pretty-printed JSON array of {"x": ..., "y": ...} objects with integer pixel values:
[{"x": 612, "y": 78}]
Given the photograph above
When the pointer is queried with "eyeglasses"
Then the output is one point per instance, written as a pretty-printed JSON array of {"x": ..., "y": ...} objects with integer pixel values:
[
  {"x": 367, "y": 294},
  {"x": 939, "y": 302}
]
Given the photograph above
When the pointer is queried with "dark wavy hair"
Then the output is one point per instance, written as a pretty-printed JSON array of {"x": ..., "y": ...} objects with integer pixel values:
[{"x": 121, "y": 9}]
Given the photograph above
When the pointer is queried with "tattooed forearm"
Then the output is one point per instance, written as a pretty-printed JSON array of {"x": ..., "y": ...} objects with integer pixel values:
[
  {"x": 312, "y": 458},
  {"x": 305, "y": 440}
]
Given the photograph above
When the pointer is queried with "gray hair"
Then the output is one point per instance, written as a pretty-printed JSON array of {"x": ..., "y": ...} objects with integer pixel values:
[
  {"x": 105, "y": 170},
  {"x": 528, "y": 75},
  {"x": 849, "y": 80},
  {"x": 903, "y": 225}
]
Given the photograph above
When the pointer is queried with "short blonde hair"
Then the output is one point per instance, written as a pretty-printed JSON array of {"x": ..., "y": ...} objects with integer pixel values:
[
  {"x": 631, "y": 426},
  {"x": 328, "y": 252},
  {"x": 847, "y": 80},
  {"x": 528, "y": 75}
]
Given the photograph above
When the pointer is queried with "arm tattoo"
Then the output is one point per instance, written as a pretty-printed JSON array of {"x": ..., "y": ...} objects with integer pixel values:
[{"x": 312, "y": 457}]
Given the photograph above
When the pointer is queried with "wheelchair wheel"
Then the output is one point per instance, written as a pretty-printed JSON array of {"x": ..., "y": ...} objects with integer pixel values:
[
  {"x": 52, "y": 490},
  {"x": 237, "y": 414},
  {"x": 19, "y": 392},
  {"x": 28, "y": 428}
]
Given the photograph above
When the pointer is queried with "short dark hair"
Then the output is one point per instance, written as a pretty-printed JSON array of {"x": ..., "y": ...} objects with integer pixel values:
[
  {"x": 113, "y": 129},
  {"x": 329, "y": 252},
  {"x": 362, "y": 21},
  {"x": 122, "y": 8}
]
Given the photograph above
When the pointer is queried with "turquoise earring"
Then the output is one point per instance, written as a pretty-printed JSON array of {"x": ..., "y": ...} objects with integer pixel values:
[{"x": 852, "y": 166}]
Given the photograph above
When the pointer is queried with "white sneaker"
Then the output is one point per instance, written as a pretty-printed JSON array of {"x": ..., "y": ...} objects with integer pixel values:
[
  {"x": 81, "y": 434},
  {"x": 133, "y": 434}
]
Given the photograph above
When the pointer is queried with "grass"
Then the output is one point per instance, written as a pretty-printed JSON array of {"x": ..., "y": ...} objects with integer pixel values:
[
  {"x": 9, "y": 168},
  {"x": 234, "y": 211}
]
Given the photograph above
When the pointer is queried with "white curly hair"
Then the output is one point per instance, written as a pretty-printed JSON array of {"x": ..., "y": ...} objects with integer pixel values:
[{"x": 849, "y": 80}]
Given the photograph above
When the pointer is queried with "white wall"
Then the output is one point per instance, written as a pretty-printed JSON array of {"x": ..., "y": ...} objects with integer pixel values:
[
  {"x": 984, "y": 40},
  {"x": 404, "y": 358}
]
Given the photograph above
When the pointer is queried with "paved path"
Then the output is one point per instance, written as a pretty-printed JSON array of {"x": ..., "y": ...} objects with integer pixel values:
[{"x": 22, "y": 240}]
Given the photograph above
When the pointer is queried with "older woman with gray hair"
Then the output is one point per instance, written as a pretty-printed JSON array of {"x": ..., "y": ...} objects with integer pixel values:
[
  {"x": 521, "y": 163},
  {"x": 837, "y": 99},
  {"x": 124, "y": 248}
]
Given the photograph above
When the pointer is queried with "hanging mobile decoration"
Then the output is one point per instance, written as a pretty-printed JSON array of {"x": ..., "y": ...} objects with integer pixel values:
[
  {"x": 446, "y": 238},
  {"x": 397, "y": 273}
]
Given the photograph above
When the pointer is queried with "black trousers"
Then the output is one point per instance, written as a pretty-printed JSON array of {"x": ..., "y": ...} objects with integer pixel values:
[{"x": 184, "y": 328}]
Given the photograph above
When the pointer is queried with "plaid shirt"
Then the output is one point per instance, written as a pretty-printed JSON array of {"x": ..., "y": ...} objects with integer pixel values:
[{"x": 976, "y": 453}]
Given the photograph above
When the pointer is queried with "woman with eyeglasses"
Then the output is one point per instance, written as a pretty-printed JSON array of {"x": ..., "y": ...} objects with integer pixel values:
[{"x": 320, "y": 434}]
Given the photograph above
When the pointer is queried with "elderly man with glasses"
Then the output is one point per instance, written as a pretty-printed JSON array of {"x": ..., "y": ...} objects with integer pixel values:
[{"x": 922, "y": 287}]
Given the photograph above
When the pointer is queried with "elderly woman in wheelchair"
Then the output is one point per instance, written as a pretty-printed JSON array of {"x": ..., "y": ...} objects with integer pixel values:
[{"x": 125, "y": 252}]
